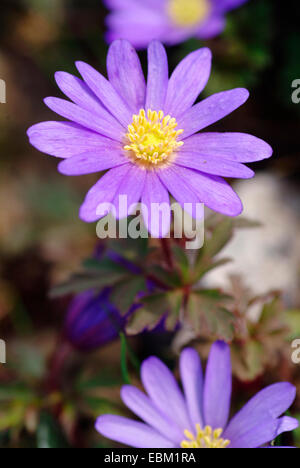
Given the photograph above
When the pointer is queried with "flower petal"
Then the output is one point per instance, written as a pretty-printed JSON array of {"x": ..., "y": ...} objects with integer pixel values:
[
  {"x": 131, "y": 433},
  {"x": 138, "y": 25},
  {"x": 213, "y": 165},
  {"x": 187, "y": 81},
  {"x": 155, "y": 194},
  {"x": 212, "y": 27},
  {"x": 213, "y": 191},
  {"x": 158, "y": 77},
  {"x": 88, "y": 163},
  {"x": 239, "y": 147},
  {"x": 164, "y": 391},
  {"x": 76, "y": 90},
  {"x": 105, "y": 91},
  {"x": 254, "y": 435},
  {"x": 106, "y": 125},
  {"x": 211, "y": 110},
  {"x": 192, "y": 381},
  {"x": 217, "y": 386},
  {"x": 182, "y": 191},
  {"x": 129, "y": 192},
  {"x": 273, "y": 401},
  {"x": 65, "y": 139},
  {"x": 143, "y": 407},
  {"x": 126, "y": 75},
  {"x": 287, "y": 424},
  {"x": 102, "y": 192}
]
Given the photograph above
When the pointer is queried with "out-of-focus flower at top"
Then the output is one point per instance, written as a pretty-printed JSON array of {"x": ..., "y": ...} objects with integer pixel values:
[
  {"x": 199, "y": 417},
  {"x": 170, "y": 21},
  {"x": 145, "y": 135}
]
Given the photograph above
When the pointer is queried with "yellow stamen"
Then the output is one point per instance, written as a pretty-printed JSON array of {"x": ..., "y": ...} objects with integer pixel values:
[
  {"x": 188, "y": 12},
  {"x": 205, "y": 438},
  {"x": 152, "y": 139}
]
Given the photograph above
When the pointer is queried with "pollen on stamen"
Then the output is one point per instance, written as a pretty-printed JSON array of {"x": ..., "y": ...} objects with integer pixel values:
[
  {"x": 153, "y": 139},
  {"x": 205, "y": 438}
]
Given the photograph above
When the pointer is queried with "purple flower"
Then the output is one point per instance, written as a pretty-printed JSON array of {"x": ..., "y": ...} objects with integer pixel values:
[
  {"x": 198, "y": 418},
  {"x": 170, "y": 21},
  {"x": 145, "y": 136},
  {"x": 92, "y": 320}
]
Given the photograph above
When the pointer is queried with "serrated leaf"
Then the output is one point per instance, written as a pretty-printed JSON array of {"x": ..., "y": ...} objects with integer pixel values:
[
  {"x": 182, "y": 261},
  {"x": 154, "y": 308},
  {"x": 207, "y": 314},
  {"x": 84, "y": 281},
  {"x": 125, "y": 293},
  {"x": 248, "y": 360}
]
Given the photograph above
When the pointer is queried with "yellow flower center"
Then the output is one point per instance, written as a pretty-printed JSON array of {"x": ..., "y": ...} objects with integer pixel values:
[
  {"x": 205, "y": 438},
  {"x": 188, "y": 12},
  {"x": 152, "y": 139}
]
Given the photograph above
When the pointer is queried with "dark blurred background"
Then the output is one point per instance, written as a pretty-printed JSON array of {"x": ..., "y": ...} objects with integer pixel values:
[{"x": 41, "y": 238}]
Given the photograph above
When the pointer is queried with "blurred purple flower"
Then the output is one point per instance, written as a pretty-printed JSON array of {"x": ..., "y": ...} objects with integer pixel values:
[
  {"x": 92, "y": 320},
  {"x": 169, "y": 21},
  {"x": 199, "y": 418},
  {"x": 130, "y": 128}
]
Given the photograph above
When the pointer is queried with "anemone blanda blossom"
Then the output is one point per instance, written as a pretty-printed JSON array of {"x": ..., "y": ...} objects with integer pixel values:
[
  {"x": 198, "y": 417},
  {"x": 145, "y": 135},
  {"x": 170, "y": 21}
]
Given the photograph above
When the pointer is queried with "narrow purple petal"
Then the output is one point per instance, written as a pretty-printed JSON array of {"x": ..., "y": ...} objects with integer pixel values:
[
  {"x": 213, "y": 191},
  {"x": 76, "y": 90},
  {"x": 65, "y": 139},
  {"x": 103, "y": 191},
  {"x": 211, "y": 110},
  {"x": 287, "y": 424},
  {"x": 105, "y": 125},
  {"x": 105, "y": 91},
  {"x": 131, "y": 433},
  {"x": 88, "y": 163},
  {"x": 192, "y": 381},
  {"x": 217, "y": 386},
  {"x": 239, "y": 147},
  {"x": 158, "y": 77},
  {"x": 126, "y": 75},
  {"x": 129, "y": 192},
  {"x": 254, "y": 435},
  {"x": 187, "y": 81},
  {"x": 213, "y": 165},
  {"x": 164, "y": 391},
  {"x": 155, "y": 194},
  {"x": 182, "y": 191},
  {"x": 273, "y": 401},
  {"x": 143, "y": 407}
]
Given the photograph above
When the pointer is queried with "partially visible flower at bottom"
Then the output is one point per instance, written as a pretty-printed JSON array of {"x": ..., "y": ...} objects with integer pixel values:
[{"x": 199, "y": 417}]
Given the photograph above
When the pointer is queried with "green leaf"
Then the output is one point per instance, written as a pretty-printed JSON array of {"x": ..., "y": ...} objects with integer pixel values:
[
  {"x": 207, "y": 314},
  {"x": 49, "y": 433},
  {"x": 248, "y": 360},
  {"x": 182, "y": 261},
  {"x": 125, "y": 292},
  {"x": 84, "y": 281},
  {"x": 105, "y": 379},
  {"x": 154, "y": 308}
]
